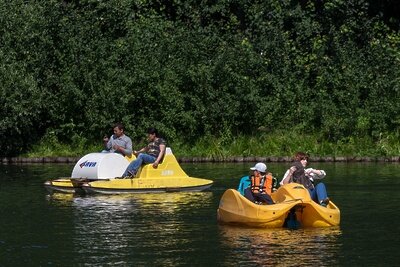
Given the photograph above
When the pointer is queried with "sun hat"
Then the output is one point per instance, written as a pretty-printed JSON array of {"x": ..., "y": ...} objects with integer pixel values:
[{"x": 261, "y": 167}]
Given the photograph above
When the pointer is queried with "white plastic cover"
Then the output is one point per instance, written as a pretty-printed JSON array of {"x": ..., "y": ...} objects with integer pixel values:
[{"x": 100, "y": 166}]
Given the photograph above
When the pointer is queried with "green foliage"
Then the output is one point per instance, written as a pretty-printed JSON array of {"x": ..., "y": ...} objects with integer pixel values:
[
  {"x": 50, "y": 146},
  {"x": 205, "y": 73},
  {"x": 287, "y": 144},
  {"x": 20, "y": 101}
]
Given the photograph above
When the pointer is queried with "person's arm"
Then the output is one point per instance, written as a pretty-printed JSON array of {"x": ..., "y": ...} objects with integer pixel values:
[
  {"x": 240, "y": 187},
  {"x": 315, "y": 174},
  {"x": 288, "y": 175},
  {"x": 160, "y": 155},
  {"x": 124, "y": 151},
  {"x": 144, "y": 149},
  {"x": 127, "y": 151},
  {"x": 284, "y": 177},
  {"x": 107, "y": 142},
  {"x": 242, "y": 183}
]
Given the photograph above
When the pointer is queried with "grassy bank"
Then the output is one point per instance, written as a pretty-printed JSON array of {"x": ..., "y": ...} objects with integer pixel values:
[{"x": 268, "y": 144}]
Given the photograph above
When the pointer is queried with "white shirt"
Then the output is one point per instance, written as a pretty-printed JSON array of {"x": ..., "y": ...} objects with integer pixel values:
[{"x": 309, "y": 173}]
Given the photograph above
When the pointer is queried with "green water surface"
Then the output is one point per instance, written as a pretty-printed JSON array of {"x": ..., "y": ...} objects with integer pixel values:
[{"x": 180, "y": 229}]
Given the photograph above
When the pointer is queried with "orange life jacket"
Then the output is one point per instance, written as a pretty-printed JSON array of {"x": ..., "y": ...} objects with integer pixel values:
[{"x": 261, "y": 184}]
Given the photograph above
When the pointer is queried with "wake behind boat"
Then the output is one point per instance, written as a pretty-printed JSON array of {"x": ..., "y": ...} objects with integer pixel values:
[
  {"x": 294, "y": 206},
  {"x": 101, "y": 173}
]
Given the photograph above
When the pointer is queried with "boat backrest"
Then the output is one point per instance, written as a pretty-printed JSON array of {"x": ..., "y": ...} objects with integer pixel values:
[
  {"x": 168, "y": 168},
  {"x": 167, "y": 150},
  {"x": 291, "y": 191}
]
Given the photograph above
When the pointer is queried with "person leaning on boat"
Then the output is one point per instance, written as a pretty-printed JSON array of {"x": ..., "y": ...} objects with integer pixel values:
[
  {"x": 258, "y": 186},
  {"x": 152, "y": 153},
  {"x": 118, "y": 142},
  {"x": 298, "y": 174}
]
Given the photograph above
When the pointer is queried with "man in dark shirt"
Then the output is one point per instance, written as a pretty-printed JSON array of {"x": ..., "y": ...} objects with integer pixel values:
[{"x": 152, "y": 153}]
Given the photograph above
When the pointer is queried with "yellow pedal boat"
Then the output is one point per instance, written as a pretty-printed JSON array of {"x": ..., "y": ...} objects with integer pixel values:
[
  {"x": 101, "y": 173},
  {"x": 292, "y": 202}
]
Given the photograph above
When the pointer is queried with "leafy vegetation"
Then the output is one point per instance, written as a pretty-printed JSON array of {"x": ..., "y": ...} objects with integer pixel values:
[{"x": 217, "y": 78}]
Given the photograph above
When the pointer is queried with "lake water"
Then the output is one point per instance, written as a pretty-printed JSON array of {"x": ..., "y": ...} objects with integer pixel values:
[{"x": 180, "y": 229}]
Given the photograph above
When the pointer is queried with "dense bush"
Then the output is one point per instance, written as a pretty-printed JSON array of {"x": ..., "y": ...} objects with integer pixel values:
[{"x": 195, "y": 69}]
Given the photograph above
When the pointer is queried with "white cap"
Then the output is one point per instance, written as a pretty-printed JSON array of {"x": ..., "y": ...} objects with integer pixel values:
[{"x": 261, "y": 167}]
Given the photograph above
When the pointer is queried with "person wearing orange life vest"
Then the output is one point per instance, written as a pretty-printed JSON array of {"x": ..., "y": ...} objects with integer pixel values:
[{"x": 261, "y": 185}]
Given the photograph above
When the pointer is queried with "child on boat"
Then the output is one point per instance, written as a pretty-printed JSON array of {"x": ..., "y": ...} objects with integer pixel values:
[{"x": 258, "y": 186}]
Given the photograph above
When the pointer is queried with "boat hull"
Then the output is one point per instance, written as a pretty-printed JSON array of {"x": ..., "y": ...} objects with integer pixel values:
[
  {"x": 65, "y": 185},
  {"x": 291, "y": 200},
  {"x": 149, "y": 185},
  {"x": 89, "y": 177}
]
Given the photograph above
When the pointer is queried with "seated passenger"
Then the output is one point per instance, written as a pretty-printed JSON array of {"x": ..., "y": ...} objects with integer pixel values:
[
  {"x": 298, "y": 174},
  {"x": 118, "y": 142},
  {"x": 245, "y": 182},
  {"x": 261, "y": 185},
  {"x": 152, "y": 153}
]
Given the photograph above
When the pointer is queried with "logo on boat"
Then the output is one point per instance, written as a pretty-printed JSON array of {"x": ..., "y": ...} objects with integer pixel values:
[
  {"x": 167, "y": 173},
  {"x": 87, "y": 164}
]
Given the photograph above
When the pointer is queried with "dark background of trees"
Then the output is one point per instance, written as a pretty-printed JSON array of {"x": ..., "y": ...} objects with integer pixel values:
[{"x": 197, "y": 68}]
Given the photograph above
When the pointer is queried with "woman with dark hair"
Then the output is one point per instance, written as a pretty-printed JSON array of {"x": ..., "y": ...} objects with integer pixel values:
[{"x": 298, "y": 174}]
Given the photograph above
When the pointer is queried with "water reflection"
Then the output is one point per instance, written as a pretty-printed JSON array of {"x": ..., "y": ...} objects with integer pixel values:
[
  {"x": 167, "y": 201},
  {"x": 60, "y": 199},
  {"x": 281, "y": 247},
  {"x": 114, "y": 228}
]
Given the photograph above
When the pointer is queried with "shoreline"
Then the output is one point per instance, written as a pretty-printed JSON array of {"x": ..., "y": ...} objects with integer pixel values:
[{"x": 42, "y": 160}]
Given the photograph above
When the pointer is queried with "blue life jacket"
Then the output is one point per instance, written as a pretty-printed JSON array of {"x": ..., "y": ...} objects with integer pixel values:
[{"x": 243, "y": 184}]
